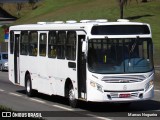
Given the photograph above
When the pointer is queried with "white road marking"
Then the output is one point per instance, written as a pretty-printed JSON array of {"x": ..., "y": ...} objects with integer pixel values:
[
  {"x": 1, "y": 90},
  {"x": 15, "y": 94},
  {"x": 61, "y": 107},
  {"x": 40, "y": 101},
  {"x": 157, "y": 90},
  {"x": 98, "y": 117}
]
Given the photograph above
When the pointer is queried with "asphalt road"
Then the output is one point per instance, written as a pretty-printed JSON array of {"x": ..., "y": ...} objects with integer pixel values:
[{"x": 54, "y": 107}]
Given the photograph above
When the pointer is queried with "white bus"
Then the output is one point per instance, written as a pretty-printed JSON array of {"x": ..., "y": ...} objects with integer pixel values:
[{"x": 93, "y": 60}]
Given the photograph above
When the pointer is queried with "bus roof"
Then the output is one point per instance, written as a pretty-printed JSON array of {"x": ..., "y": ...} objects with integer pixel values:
[{"x": 69, "y": 25}]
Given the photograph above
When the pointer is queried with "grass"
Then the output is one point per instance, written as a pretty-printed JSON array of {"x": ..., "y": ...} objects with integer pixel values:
[
  {"x": 51, "y": 10},
  {"x": 5, "y": 109}
]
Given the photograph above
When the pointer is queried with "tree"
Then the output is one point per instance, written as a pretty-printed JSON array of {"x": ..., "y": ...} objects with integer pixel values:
[
  {"x": 144, "y": 0},
  {"x": 19, "y": 7},
  {"x": 1, "y": 5},
  {"x": 32, "y": 3},
  {"x": 121, "y": 5}
]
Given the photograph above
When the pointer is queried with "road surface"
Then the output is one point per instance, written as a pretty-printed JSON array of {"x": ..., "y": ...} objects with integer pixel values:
[{"x": 54, "y": 107}]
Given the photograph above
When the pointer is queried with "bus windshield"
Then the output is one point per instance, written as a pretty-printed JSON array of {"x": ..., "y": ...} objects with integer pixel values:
[{"x": 131, "y": 55}]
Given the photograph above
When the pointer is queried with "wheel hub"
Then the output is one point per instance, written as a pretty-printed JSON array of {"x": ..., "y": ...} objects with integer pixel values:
[
  {"x": 28, "y": 86},
  {"x": 71, "y": 95}
]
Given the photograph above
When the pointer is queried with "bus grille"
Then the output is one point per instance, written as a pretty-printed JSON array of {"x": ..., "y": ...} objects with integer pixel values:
[{"x": 124, "y": 79}]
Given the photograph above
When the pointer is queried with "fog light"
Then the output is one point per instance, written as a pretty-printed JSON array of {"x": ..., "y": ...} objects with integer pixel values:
[
  {"x": 99, "y": 87},
  {"x": 141, "y": 95}
]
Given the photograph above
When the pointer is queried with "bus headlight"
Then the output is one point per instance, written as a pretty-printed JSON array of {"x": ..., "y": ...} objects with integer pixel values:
[
  {"x": 148, "y": 85},
  {"x": 98, "y": 86},
  {"x": 93, "y": 84}
]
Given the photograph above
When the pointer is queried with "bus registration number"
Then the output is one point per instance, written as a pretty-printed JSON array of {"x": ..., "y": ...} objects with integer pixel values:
[{"x": 125, "y": 95}]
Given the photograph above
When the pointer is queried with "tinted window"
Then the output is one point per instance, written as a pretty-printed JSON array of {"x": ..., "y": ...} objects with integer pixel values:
[
  {"x": 52, "y": 38},
  {"x": 61, "y": 45},
  {"x": 24, "y": 43},
  {"x": 120, "y": 30},
  {"x": 71, "y": 46},
  {"x": 42, "y": 44},
  {"x": 127, "y": 55},
  {"x": 33, "y": 40}
]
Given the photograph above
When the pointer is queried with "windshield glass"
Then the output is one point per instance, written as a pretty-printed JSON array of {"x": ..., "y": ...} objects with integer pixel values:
[
  {"x": 120, "y": 55},
  {"x": 5, "y": 56},
  {"x": 120, "y": 30}
]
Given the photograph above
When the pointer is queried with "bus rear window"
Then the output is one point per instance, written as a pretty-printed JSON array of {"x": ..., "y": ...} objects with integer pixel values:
[{"x": 120, "y": 30}]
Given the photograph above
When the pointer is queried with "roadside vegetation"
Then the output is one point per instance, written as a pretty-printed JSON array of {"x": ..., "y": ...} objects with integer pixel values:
[
  {"x": 52, "y": 10},
  {"x": 5, "y": 109}
]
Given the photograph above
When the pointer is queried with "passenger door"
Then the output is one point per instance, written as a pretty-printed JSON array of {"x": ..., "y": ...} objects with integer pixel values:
[
  {"x": 16, "y": 57},
  {"x": 81, "y": 69}
]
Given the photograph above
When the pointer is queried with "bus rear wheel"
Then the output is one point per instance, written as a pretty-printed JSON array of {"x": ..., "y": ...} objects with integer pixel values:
[
  {"x": 72, "y": 100},
  {"x": 29, "y": 91}
]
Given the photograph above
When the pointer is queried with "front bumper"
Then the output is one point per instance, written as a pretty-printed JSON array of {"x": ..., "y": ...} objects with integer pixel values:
[{"x": 110, "y": 96}]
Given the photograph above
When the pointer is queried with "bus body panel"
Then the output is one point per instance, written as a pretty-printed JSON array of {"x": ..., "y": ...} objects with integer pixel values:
[{"x": 49, "y": 75}]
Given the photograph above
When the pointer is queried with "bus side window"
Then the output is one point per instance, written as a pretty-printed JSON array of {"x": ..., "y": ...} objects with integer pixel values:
[
  {"x": 24, "y": 43},
  {"x": 42, "y": 44},
  {"x": 71, "y": 45},
  {"x": 33, "y": 41},
  {"x": 61, "y": 44},
  {"x": 52, "y": 41}
]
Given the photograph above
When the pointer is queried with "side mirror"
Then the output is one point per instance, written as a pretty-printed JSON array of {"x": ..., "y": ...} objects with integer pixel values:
[{"x": 84, "y": 48}]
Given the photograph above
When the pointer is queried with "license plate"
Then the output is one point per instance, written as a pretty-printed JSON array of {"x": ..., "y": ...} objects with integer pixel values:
[{"x": 124, "y": 95}]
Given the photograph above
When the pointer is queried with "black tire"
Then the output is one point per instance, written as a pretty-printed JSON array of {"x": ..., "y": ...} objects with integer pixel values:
[
  {"x": 29, "y": 91},
  {"x": 71, "y": 96}
]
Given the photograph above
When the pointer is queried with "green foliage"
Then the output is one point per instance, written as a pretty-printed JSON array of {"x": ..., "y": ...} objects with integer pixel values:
[
  {"x": 52, "y": 10},
  {"x": 5, "y": 109},
  {"x": 2, "y": 34}
]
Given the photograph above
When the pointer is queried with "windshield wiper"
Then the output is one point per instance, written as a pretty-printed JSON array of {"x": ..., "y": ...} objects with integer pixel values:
[{"x": 133, "y": 47}]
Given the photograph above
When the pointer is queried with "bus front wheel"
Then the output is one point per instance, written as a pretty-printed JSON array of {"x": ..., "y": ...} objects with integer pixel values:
[{"x": 72, "y": 100}]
